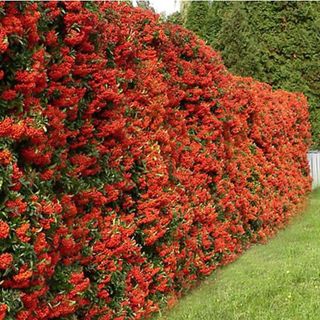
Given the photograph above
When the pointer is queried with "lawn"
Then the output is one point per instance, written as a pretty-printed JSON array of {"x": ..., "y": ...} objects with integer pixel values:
[{"x": 279, "y": 280}]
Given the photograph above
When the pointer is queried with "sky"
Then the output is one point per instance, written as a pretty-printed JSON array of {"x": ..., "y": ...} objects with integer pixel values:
[{"x": 167, "y": 6}]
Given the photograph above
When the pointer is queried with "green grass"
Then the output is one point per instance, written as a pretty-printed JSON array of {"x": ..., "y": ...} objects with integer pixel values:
[{"x": 279, "y": 280}]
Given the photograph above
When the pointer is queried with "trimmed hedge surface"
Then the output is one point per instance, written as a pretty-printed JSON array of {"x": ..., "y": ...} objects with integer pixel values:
[{"x": 132, "y": 162}]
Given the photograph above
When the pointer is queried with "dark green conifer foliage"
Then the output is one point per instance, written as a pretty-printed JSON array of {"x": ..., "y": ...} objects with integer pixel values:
[
  {"x": 196, "y": 17},
  {"x": 175, "y": 18}
]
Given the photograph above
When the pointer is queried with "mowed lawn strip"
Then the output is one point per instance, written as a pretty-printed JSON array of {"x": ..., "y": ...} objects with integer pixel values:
[{"x": 276, "y": 281}]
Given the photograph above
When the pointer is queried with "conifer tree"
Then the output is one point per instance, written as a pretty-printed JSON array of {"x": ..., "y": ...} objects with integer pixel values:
[{"x": 196, "y": 17}]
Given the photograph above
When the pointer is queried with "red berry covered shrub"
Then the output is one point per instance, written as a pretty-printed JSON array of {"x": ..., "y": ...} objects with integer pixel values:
[{"x": 131, "y": 162}]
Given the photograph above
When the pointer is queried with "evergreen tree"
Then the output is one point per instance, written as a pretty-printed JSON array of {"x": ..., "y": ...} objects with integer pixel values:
[
  {"x": 175, "y": 18},
  {"x": 196, "y": 17}
]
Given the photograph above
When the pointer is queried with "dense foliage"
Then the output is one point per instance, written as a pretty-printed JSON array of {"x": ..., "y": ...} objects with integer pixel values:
[
  {"x": 273, "y": 41},
  {"x": 196, "y": 17},
  {"x": 132, "y": 162}
]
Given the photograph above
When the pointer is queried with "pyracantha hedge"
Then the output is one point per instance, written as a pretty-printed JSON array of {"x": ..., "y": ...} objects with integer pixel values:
[{"x": 132, "y": 162}]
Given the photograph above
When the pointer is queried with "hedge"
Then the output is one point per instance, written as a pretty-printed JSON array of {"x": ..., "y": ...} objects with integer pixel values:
[{"x": 132, "y": 163}]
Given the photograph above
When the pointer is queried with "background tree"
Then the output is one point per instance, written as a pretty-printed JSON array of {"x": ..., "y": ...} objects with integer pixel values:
[
  {"x": 175, "y": 18},
  {"x": 196, "y": 17}
]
